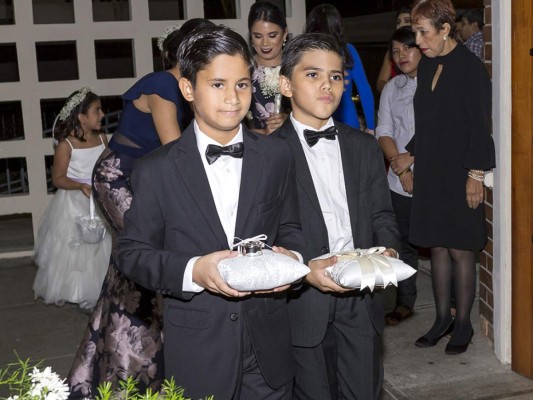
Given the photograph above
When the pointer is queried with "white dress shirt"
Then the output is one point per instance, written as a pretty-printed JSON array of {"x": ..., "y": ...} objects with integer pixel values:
[
  {"x": 224, "y": 177},
  {"x": 396, "y": 119},
  {"x": 325, "y": 163}
]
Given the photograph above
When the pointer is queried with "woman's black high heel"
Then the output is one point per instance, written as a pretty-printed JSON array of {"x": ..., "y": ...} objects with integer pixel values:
[
  {"x": 459, "y": 348},
  {"x": 426, "y": 341}
]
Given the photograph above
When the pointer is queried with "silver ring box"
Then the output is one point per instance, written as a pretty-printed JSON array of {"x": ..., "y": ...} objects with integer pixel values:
[{"x": 251, "y": 249}]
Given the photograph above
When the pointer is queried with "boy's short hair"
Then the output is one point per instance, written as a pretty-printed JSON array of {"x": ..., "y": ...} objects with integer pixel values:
[
  {"x": 474, "y": 15},
  {"x": 305, "y": 42},
  {"x": 202, "y": 45}
]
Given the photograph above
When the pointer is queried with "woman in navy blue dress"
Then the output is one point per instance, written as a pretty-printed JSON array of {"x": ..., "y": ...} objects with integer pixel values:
[{"x": 124, "y": 334}]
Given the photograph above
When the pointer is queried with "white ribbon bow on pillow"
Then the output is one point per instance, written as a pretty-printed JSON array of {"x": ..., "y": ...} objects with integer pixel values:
[{"x": 367, "y": 268}]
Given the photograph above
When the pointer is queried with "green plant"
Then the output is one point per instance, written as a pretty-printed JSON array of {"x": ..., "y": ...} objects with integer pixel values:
[{"x": 25, "y": 381}]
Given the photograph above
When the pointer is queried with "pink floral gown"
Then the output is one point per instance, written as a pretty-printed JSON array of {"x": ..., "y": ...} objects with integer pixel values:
[{"x": 124, "y": 334}]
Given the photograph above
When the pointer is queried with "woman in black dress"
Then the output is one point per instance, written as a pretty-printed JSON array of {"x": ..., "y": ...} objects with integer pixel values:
[{"x": 452, "y": 147}]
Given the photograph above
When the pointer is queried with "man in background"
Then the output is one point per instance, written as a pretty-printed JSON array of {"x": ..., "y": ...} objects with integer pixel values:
[{"x": 472, "y": 31}]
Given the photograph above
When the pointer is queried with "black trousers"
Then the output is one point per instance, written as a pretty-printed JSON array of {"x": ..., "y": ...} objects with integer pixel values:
[
  {"x": 406, "y": 292},
  {"x": 347, "y": 364},
  {"x": 252, "y": 384}
]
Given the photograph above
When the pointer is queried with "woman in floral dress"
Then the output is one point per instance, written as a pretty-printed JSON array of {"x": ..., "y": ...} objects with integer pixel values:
[
  {"x": 124, "y": 335},
  {"x": 268, "y": 34}
]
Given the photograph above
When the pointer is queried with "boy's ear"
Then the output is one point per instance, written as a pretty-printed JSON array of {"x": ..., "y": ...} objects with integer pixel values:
[
  {"x": 285, "y": 86},
  {"x": 186, "y": 89}
]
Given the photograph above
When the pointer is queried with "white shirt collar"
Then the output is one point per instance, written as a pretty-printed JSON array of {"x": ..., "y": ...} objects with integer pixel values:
[
  {"x": 299, "y": 127},
  {"x": 202, "y": 140}
]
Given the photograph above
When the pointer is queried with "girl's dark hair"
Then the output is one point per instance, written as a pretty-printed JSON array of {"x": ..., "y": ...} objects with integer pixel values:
[
  {"x": 171, "y": 43},
  {"x": 303, "y": 43},
  {"x": 71, "y": 123},
  {"x": 199, "y": 48},
  {"x": 325, "y": 18},
  {"x": 404, "y": 35}
]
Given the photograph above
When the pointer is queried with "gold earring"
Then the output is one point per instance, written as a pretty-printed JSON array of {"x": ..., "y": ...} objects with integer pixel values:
[{"x": 445, "y": 37}]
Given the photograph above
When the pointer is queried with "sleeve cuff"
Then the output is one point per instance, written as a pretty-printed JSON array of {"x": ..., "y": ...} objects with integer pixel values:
[
  {"x": 300, "y": 258},
  {"x": 188, "y": 284}
]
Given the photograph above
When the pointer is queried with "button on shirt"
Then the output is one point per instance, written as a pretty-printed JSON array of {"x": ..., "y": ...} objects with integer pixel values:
[
  {"x": 396, "y": 119},
  {"x": 224, "y": 177},
  {"x": 325, "y": 163}
]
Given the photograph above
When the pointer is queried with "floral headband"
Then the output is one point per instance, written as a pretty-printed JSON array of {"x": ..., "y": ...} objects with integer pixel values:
[
  {"x": 168, "y": 30},
  {"x": 73, "y": 102}
]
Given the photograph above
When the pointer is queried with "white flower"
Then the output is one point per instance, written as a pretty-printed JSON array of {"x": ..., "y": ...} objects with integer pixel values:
[
  {"x": 270, "y": 85},
  {"x": 47, "y": 385},
  {"x": 73, "y": 102}
]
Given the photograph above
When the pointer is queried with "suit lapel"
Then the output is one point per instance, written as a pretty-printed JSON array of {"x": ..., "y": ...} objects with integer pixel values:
[
  {"x": 351, "y": 165},
  {"x": 191, "y": 170},
  {"x": 303, "y": 174},
  {"x": 252, "y": 164}
]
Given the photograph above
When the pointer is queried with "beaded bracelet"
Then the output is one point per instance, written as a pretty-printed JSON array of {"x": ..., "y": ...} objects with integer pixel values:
[{"x": 476, "y": 177}]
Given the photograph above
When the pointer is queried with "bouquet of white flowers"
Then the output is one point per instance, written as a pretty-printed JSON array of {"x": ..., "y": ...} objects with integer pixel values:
[{"x": 270, "y": 84}]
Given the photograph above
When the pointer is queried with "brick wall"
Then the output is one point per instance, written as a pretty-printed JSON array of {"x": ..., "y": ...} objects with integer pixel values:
[{"x": 486, "y": 293}]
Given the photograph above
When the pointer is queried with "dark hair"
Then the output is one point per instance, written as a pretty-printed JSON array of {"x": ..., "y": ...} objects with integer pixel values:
[
  {"x": 303, "y": 43},
  {"x": 404, "y": 35},
  {"x": 264, "y": 11},
  {"x": 403, "y": 10},
  {"x": 325, "y": 18},
  {"x": 438, "y": 12},
  {"x": 71, "y": 123},
  {"x": 268, "y": 12},
  {"x": 474, "y": 15},
  {"x": 171, "y": 43},
  {"x": 200, "y": 47}
]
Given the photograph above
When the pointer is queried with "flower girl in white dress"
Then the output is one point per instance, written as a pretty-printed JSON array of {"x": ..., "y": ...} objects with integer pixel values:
[{"x": 69, "y": 269}]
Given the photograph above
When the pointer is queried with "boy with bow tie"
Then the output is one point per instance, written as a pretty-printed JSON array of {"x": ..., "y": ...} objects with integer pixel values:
[
  {"x": 191, "y": 198},
  {"x": 344, "y": 204}
]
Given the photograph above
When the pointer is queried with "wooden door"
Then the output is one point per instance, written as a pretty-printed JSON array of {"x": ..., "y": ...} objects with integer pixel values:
[{"x": 522, "y": 186}]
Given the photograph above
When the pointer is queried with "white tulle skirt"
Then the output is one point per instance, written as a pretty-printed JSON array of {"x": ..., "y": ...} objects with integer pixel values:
[{"x": 68, "y": 271}]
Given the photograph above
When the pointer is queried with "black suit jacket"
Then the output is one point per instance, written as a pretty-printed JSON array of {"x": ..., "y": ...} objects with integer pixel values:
[
  {"x": 372, "y": 220},
  {"x": 172, "y": 219}
]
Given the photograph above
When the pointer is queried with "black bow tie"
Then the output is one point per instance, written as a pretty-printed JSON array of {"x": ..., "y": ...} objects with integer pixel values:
[
  {"x": 233, "y": 150},
  {"x": 311, "y": 137}
]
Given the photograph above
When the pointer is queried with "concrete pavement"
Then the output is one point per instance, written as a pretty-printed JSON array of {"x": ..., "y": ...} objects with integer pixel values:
[{"x": 52, "y": 333}]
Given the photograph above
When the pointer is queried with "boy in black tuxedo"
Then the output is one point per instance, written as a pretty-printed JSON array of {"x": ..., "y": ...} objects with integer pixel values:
[
  {"x": 344, "y": 203},
  {"x": 191, "y": 198}
]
